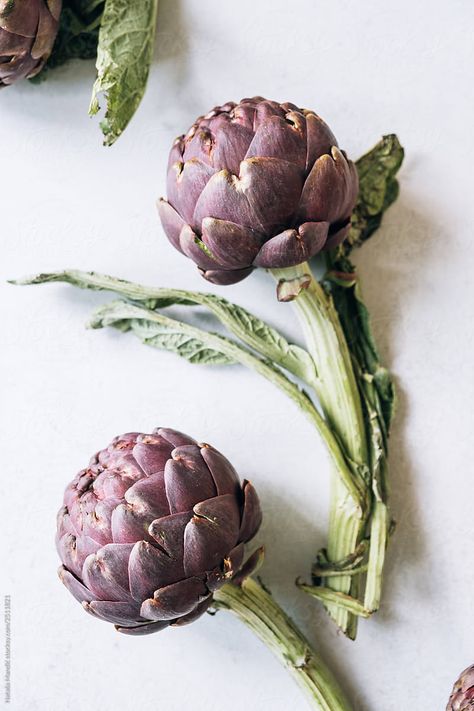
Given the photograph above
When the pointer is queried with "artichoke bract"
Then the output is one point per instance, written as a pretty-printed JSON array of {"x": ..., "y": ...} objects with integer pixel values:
[
  {"x": 151, "y": 528},
  {"x": 462, "y": 696},
  {"x": 256, "y": 184},
  {"x": 28, "y": 29}
]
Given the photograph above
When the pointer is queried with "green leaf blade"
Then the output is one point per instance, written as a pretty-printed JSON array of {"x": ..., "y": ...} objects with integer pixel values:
[
  {"x": 378, "y": 189},
  {"x": 124, "y": 55},
  {"x": 260, "y": 336}
]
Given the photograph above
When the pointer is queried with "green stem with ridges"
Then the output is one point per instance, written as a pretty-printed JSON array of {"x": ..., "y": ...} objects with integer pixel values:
[
  {"x": 379, "y": 525},
  {"x": 337, "y": 390},
  {"x": 338, "y": 599},
  {"x": 257, "y": 609}
]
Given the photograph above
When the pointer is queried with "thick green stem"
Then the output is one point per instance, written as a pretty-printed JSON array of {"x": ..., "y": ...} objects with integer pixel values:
[
  {"x": 345, "y": 533},
  {"x": 336, "y": 385},
  {"x": 257, "y": 609},
  {"x": 337, "y": 390}
]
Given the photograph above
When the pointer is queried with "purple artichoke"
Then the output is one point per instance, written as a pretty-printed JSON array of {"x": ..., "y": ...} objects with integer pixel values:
[
  {"x": 152, "y": 527},
  {"x": 462, "y": 696},
  {"x": 28, "y": 29},
  {"x": 256, "y": 184}
]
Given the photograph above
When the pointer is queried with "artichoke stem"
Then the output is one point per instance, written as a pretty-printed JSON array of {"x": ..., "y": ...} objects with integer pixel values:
[
  {"x": 257, "y": 609},
  {"x": 379, "y": 529},
  {"x": 338, "y": 393},
  {"x": 345, "y": 533}
]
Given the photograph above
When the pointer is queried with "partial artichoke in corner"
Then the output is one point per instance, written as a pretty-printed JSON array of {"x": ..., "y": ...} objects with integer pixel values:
[
  {"x": 28, "y": 30},
  {"x": 256, "y": 184},
  {"x": 151, "y": 528},
  {"x": 462, "y": 696}
]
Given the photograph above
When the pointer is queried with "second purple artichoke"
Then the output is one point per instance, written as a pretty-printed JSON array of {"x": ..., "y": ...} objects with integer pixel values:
[
  {"x": 257, "y": 184},
  {"x": 151, "y": 528}
]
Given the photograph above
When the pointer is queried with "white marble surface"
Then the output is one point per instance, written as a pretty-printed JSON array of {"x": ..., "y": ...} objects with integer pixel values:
[{"x": 369, "y": 68}]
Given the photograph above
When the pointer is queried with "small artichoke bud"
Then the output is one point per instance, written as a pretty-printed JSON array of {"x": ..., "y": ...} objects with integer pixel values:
[
  {"x": 256, "y": 184},
  {"x": 28, "y": 29},
  {"x": 462, "y": 696},
  {"x": 151, "y": 528}
]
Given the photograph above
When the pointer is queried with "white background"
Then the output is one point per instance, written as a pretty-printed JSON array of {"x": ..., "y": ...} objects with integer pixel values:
[{"x": 369, "y": 68}]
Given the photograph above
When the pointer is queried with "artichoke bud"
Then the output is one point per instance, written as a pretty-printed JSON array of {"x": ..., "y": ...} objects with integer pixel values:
[
  {"x": 257, "y": 184},
  {"x": 152, "y": 528}
]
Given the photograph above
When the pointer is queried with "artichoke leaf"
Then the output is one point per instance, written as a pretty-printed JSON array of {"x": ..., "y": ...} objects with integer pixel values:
[
  {"x": 124, "y": 54},
  {"x": 263, "y": 338},
  {"x": 247, "y": 327},
  {"x": 378, "y": 189},
  {"x": 165, "y": 333}
]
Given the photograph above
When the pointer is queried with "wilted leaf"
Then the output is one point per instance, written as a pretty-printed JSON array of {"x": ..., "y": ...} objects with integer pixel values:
[
  {"x": 195, "y": 345},
  {"x": 251, "y": 330},
  {"x": 378, "y": 189},
  {"x": 124, "y": 56}
]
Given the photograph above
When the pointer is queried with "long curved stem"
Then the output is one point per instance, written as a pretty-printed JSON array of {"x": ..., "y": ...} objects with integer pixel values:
[
  {"x": 257, "y": 609},
  {"x": 337, "y": 390}
]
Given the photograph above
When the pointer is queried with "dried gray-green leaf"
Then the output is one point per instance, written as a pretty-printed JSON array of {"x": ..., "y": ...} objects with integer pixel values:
[
  {"x": 251, "y": 330},
  {"x": 165, "y": 333},
  {"x": 263, "y": 338},
  {"x": 192, "y": 349}
]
